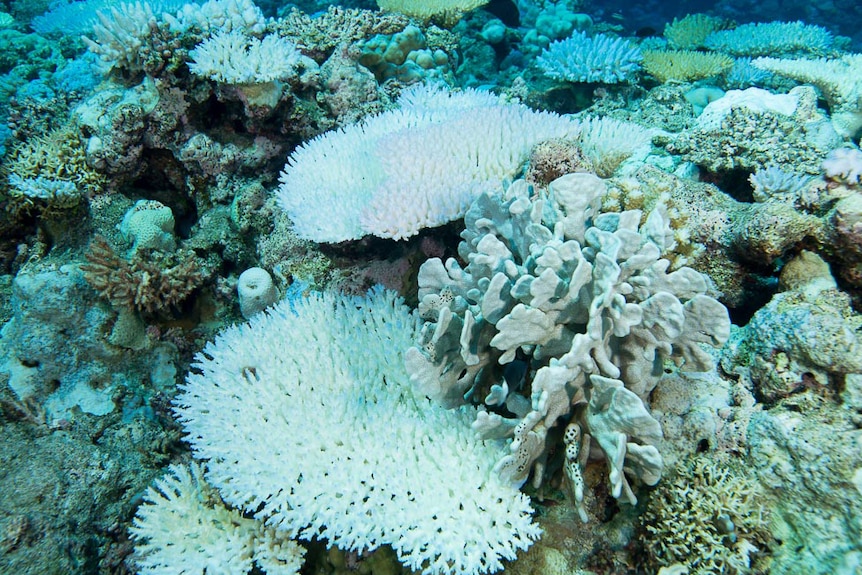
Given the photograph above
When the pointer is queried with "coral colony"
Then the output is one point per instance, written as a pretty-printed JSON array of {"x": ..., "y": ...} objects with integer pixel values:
[{"x": 446, "y": 287}]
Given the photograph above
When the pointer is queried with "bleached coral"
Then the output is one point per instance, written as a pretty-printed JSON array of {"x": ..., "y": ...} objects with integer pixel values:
[
  {"x": 219, "y": 16},
  {"x": 307, "y": 419},
  {"x": 774, "y": 183},
  {"x": 608, "y": 142},
  {"x": 47, "y": 192},
  {"x": 414, "y": 167},
  {"x": 120, "y": 34},
  {"x": 183, "y": 527},
  {"x": 839, "y": 79},
  {"x": 844, "y": 165},
  {"x": 582, "y": 58},
  {"x": 771, "y": 38},
  {"x": 236, "y": 58},
  {"x": 581, "y": 299}
]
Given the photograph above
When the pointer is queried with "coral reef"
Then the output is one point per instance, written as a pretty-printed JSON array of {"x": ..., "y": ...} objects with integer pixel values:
[{"x": 609, "y": 184}]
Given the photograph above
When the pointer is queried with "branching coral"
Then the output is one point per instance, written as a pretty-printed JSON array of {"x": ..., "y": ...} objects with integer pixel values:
[
  {"x": 336, "y": 26},
  {"x": 308, "y": 420},
  {"x": 562, "y": 313},
  {"x": 709, "y": 517},
  {"x": 690, "y": 32},
  {"x": 184, "y": 527},
  {"x": 581, "y": 58},
  {"x": 684, "y": 65},
  {"x": 150, "y": 282},
  {"x": 57, "y": 156}
]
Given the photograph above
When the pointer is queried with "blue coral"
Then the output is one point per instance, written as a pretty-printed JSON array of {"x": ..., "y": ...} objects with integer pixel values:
[{"x": 581, "y": 58}]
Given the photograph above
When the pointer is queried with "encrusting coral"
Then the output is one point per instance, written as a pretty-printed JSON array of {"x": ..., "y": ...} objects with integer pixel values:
[{"x": 150, "y": 282}]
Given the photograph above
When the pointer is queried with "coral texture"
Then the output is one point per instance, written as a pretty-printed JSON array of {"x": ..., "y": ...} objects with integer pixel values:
[
  {"x": 183, "y": 527},
  {"x": 307, "y": 419},
  {"x": 562, "y": 312},
  {"x": 415, "y": 167},
  {"x": 149, "y": 282},
  {"x": 581, "y": 58}
]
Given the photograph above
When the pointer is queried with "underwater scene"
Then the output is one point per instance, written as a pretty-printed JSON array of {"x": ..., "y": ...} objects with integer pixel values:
[{"x": 441, "y": 287}]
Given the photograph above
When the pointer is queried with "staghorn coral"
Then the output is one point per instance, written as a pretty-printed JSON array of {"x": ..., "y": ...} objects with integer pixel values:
[{"x": 152, "y": 281}]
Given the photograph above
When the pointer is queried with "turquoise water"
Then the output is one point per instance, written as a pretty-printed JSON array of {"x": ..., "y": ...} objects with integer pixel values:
[{"x": 449, "y": 287}]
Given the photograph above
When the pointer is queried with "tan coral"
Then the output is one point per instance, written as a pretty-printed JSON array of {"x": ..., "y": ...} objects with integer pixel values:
[
  {"x": 150, "y": 282},
  {"x": 684, "y": 65},
  {"x": 709, "y": 516},
  {"x": 58, "y": 155}
]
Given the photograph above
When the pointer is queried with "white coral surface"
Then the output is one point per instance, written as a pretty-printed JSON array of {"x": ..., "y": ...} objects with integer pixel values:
[
  {"x": 415, "y": 167},
  {"x": 307, "y": 418},
  {"x": 183, "y": 527}
]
